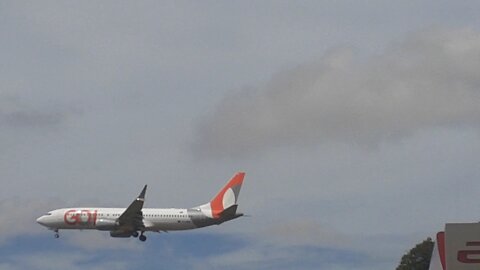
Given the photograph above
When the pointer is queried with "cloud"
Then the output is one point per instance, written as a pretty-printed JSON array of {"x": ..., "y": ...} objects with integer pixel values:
[
  {"x": 23, "y": 120},
  {"x": 58, "y": 260},
  {"x": 15, "y": 113},
  {"x": 304, "y": 233},
  {"x": 95, "y": 241},
  {"x": 267, "y": 256},
  {"x": 30, "y": 119},
  {"x": 430, "y": 79},
  {"x": 308, "y": 244}
]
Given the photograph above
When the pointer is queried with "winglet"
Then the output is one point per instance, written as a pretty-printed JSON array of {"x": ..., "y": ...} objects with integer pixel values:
[{"x": 141, "y": 197}]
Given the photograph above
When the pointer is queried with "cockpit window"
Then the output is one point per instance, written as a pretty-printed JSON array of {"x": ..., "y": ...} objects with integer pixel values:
[{"x": 48, "y": 214}]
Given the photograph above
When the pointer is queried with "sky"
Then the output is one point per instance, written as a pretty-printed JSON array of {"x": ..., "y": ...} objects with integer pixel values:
[{"x": 356, "y": 122}]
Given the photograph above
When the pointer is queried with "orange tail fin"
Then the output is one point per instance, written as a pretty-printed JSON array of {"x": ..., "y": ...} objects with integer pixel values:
[{"x": 228, "y": 195}]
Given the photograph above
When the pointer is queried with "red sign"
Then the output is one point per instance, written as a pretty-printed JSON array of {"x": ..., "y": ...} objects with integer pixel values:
[{"x": 468, "y": 256}]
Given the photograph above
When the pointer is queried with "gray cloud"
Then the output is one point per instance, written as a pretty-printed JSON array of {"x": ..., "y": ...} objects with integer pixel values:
[
  {"x": 65, "y": 260},
  {"x": 30, "y": 119},
  {"x": 15, "y": 112},
  {"x": 430, "y": 79},
  {"x": 99, "y": 241}
]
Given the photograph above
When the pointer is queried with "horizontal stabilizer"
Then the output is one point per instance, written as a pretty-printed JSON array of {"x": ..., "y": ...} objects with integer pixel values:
[{"x": 229, "y": 214}]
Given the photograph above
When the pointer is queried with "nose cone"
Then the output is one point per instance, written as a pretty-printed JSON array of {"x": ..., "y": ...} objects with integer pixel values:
[{"x": 41, "y": 221}]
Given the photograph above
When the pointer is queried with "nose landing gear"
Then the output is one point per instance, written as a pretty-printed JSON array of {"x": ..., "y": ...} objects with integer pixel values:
[{"x": 56, "y": 235}]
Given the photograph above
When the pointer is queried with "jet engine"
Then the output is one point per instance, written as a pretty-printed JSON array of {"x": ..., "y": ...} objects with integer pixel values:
[{"x": 106, "y": 224}]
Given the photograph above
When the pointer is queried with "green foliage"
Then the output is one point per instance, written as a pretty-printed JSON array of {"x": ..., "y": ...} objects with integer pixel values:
[{"x": 418, "y": 258}]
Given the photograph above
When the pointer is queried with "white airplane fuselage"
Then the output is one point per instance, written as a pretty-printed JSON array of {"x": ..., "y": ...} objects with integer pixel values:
[{"x": 84, "y": 218}]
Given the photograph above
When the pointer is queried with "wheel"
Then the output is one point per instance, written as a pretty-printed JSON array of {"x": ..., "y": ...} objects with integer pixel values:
[
  {"x": 142, "y": 238},
  {"x": 135, "y": 234},
  {"x": 56, "y": 235}
]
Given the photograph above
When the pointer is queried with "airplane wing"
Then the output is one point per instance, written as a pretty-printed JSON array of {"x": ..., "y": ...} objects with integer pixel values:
[{"x": 132, "y": 218}]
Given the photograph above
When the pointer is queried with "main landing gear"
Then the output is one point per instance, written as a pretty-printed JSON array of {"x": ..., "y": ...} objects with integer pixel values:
[
  {"x": 56, "y": 235},
  {"x": 135, "y": 234},
  {"x": 142, "y": 237}
]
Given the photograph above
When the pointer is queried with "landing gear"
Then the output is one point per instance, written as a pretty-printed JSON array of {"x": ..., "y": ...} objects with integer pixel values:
[
  {"x": 142, "y": 237},
  {"x": 135, "y": 234},
  {"x": 56, "y": 235}
]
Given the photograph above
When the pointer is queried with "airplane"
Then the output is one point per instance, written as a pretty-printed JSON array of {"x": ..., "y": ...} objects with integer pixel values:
[{"x": 136, "y": 220}]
